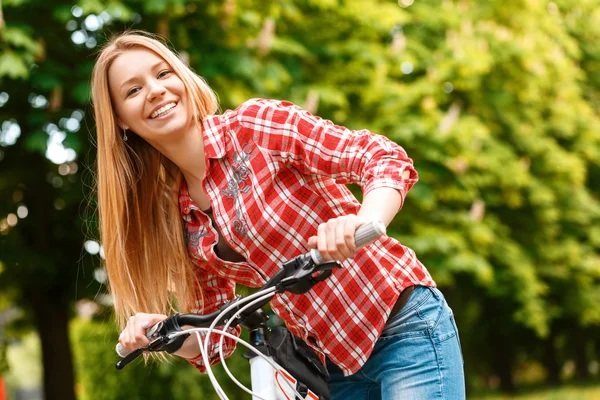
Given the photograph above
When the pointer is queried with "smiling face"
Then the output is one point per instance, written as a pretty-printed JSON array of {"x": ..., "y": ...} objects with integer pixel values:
[{"x": 148, "y": 97}]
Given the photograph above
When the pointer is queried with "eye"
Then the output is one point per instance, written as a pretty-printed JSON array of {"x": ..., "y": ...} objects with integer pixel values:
[
  {"x": 164, "y": 73},
  {"x": 132, "y": 91}
]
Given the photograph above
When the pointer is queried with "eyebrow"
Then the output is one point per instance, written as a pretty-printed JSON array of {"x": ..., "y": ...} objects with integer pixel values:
[{"x": 133, "y": 78}]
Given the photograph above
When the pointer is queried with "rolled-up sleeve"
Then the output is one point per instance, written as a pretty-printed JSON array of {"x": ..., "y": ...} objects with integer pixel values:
[{"x": 315, "y": 145}]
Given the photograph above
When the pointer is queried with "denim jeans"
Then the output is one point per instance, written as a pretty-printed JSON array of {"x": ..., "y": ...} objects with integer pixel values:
[{"x": 417, "y": 356}]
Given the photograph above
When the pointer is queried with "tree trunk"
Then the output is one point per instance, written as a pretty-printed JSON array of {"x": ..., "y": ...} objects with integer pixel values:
[
  {"x": 551, "y": 360},
  {"x": 52, "y": 318},
  {"x": 504, "y": 370},
  {"x": 503, "y": 359},
  {"x": 581, "y": 360}
]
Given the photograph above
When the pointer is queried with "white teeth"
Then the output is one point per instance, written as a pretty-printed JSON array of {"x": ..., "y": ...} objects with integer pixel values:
[{"x": 162, "y": 110}]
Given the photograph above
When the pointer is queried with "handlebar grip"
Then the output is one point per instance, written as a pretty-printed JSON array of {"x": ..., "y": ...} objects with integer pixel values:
[
  {"x": 123, "y": 352},
  {"x": 364, "y": 235}
]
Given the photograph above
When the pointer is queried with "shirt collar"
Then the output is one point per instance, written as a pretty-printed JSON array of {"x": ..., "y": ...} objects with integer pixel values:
[{"x": 214, "y": 137}]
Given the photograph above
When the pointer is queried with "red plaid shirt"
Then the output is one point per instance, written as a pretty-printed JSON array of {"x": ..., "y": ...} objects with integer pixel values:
[{"x": 274, "y": 172}]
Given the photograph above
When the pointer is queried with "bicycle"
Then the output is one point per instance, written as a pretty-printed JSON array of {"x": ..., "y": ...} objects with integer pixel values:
[{"x": 270, "y": 380}]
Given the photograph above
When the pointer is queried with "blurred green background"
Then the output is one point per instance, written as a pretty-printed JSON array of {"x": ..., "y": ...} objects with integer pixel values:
[{"x": 497, "y": 103}]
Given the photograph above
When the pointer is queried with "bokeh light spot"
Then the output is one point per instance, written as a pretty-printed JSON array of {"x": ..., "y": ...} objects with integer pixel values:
[
  {"x": 22, "y": 212},
  {"x": 406, "y": 67}
]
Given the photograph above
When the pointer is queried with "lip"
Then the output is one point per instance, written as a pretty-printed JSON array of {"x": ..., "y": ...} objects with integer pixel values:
[{"x": 158, "y": 107}]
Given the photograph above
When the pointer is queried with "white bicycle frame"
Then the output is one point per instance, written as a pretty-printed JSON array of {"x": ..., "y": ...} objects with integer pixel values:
[
  {"x": 269, "y": 383},
  {"x": 269, "y": 380}
]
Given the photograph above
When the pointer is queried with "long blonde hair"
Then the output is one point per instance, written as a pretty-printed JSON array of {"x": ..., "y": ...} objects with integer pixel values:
[{"x": 141, "y": 229}]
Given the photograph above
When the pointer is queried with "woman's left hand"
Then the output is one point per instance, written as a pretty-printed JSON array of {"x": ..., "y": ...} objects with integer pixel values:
[{"x": 335, "y": 238}]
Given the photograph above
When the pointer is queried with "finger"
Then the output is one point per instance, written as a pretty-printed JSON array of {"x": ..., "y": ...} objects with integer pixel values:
[
  {"x": 141, "y": 323},
  {"x": 332, "y": 242},
  {"x": 312, "y": 242},
  {"x": 349, "y": 230},
  {"x": 152, "y": 321},
  {"x": 122, "y": 338},
  {"x": 128, "y": 341},
  {"x": 340, "y": 239},
  {"x": 322, "y": 242}
]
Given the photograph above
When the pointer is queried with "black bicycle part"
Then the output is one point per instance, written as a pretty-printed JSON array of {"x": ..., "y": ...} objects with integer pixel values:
[
  {"x": 161, "y": 341},
  {"x": 302, "y": 274},
  {"x": 297, "y": 276},
  {"x": 258, "y": 333}
]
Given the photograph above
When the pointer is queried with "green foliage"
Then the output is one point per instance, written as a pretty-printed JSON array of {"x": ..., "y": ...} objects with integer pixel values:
[
  {"x": 173, "y": 379},
  {"x": 3, "y": 359},
  {"x": 496, "y": 102},
  {"x": 17, "y": 52},
  {"x": 12, "y": 66}
]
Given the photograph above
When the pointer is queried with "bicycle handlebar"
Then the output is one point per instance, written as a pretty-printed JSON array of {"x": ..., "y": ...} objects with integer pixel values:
[{"x": 364, "y": 235}]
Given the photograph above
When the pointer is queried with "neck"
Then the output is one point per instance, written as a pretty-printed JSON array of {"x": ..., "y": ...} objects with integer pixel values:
[{"x": 187, "y": 152}]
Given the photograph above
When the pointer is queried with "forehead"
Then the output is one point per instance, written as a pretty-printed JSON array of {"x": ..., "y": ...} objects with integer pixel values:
[{"x": 131, "y": 63}]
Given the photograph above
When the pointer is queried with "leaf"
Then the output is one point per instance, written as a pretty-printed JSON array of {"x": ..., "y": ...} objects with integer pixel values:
[
  {"x": 18, "y": 38},
  {"x": 289, "y": 47},
  {"x": 13, "y": 66}
]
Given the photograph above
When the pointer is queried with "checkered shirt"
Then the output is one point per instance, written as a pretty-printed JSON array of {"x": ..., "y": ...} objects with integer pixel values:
[{"x": 274, "y": 172}]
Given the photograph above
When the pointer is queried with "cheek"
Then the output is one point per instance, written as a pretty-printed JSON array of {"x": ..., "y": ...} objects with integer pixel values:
[
  {"x": 189, "y": 111},
  {"x": 131, "y": 112}
]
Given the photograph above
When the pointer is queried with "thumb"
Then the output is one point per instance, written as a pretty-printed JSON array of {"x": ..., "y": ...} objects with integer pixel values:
[
  {"x": 153, "y": 319},
  {"x": 312, "y": 242}
]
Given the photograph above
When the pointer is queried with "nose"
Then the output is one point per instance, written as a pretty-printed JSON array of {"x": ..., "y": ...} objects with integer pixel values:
[{"x": 155, "y": 90}]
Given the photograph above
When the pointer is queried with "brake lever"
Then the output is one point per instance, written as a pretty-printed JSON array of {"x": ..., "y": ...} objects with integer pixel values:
[
  {"x": 161, "y": 340},
  {"x": 304, "y": 278},
  {"x": 311, "y": 269}
]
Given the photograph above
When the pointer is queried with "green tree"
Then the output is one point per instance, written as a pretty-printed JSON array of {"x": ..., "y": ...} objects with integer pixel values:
[
  {"x": 496, "y": 102},
  {"x": 43, "y": 80}
]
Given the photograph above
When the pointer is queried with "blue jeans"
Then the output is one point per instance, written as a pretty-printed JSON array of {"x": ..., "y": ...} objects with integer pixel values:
[{"x": 417, "y": 356}]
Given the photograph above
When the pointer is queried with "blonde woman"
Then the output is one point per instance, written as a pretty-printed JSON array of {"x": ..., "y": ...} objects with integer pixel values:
[{"x": 193, "y": 203}]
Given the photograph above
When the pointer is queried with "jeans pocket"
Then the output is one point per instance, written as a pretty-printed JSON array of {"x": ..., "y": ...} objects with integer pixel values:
[
  {"x": 432, "y": 310},
  {"x": 440, "y": 317},
  {"x": 446, "y": 328},
  {"x": 407, "y": 322}
]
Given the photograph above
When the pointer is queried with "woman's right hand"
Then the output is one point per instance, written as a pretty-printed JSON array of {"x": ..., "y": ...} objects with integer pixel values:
[{"x": 134, "y": 334}]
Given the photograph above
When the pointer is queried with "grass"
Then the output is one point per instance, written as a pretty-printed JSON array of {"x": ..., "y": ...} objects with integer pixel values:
[{"x": 569, "y": 392}]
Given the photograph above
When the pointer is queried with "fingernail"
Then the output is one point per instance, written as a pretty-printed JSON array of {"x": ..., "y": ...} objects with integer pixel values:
[{"x": 145, "y": 324}]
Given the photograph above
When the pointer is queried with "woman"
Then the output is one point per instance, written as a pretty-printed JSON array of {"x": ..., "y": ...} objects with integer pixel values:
[{"x": 192, "y": 203}]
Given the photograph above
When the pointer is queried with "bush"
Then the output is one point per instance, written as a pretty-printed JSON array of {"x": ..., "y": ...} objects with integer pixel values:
[{"x": 98, "y": 379}]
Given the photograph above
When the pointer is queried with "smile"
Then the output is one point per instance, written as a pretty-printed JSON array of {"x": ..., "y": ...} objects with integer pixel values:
[{"x": 164, "y": 110}]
